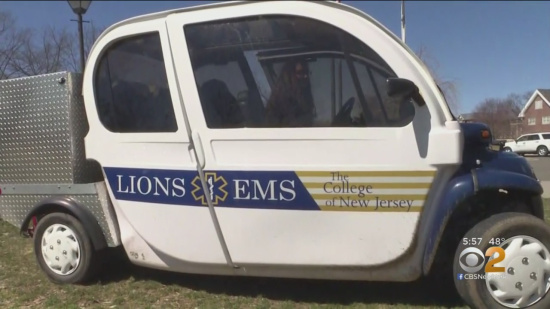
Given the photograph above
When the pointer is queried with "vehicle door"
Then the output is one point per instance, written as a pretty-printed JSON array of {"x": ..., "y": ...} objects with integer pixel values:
[
  {"x": 521, "y": 143},
  {"x": 138, "y": 134},
  {"x": 546, "y": 139},
  {"x": 532, "y": 143},
  {"x": 338, "y": 174}
]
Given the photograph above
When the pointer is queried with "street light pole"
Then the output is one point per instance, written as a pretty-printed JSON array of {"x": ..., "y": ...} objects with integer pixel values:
[
  {"x": 403, "y": 20},
  {"x": 81, "y": 39},
  {"x": 80, "y": 8}
]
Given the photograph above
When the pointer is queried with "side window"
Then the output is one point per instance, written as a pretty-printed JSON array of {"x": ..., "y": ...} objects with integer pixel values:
[
  {"x": 523, "y": 138},
  {"x": 131, "y": 87},
  {"x": 287, "y": 71},
  {"x": 534, "y": 137},
  {"x": 546, "y": 136}
]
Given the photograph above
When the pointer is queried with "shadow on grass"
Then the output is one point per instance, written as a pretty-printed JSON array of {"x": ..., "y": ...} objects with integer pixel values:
[{"x": 422, "y": 293}]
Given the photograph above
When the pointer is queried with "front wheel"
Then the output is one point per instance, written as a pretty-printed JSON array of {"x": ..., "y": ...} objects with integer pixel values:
[
  {"x": 521, "y": 278},
  {"x": 507, "y": 149},
  {"x": 542, "y": 151},
  {"x": 64, "y": 250}
]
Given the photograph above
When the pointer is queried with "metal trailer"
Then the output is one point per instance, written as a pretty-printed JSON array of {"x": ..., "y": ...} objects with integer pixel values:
[{"x": 42, "y": 128}]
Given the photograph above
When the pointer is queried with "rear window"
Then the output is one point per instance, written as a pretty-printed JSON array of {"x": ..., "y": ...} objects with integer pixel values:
[{"x": 131, "y": 87}]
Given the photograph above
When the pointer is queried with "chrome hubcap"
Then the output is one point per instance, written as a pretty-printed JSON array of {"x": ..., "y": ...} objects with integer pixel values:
[
  {"x": 527, "y": 273},
  {"x": 60, "y": 249}
]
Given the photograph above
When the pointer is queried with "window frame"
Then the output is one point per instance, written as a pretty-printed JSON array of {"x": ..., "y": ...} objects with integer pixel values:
[
  {"x": 534, "y": 121},
  {"x": 435, "y": 113},
  {"x": 547, "y": 122},
  {"x": 98, "y": 70},
  {"x": 523, "y": 138},
  {"x": 111, "y": 36},
  {"x": 262, "y": 59}
]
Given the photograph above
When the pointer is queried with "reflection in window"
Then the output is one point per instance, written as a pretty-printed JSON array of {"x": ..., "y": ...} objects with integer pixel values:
[
  {"x": 131, "y": 87},
  {"x": 287, "y": 71}
]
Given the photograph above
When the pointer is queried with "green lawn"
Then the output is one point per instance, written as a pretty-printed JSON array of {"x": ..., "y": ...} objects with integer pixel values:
[{"x": 22, "y": 284}]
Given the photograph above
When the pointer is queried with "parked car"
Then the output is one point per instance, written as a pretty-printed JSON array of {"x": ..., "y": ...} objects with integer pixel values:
[{"x": 534, "y": 143}]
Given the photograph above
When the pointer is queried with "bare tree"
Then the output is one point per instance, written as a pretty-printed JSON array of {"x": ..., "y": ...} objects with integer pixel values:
[
  {"x": 27, "y": 52},
  {"x": 11, "y": 40},
  {"x": 519, "y": 100},
  {"x": 44, "y": 55},
  {"x": 72, "y": 57},
  {"x": 447, "y": 86},
  {"x": 499, "y": 113}
]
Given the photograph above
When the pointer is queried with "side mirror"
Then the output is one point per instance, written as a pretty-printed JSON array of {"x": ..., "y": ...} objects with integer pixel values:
[{"x": 404, "y": 88}]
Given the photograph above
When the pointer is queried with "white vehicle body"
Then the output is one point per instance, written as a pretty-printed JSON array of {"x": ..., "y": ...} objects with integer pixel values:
[
  {"x": 183, "y": 160},
  {"x": 281, "y": 178},
  {"x": 532, "y": 143}
]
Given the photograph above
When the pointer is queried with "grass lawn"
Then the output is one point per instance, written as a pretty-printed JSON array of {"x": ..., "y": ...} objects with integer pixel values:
[{"x": 22, "y": 284}]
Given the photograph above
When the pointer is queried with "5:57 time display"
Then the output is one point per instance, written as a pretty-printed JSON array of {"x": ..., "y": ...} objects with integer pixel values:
[{"x": 474, "y": 241}]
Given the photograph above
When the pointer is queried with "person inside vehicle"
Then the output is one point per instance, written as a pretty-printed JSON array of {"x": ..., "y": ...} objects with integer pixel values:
[
  {"x": 222, "y": 108},
  {"x": 291, "y": 101}
]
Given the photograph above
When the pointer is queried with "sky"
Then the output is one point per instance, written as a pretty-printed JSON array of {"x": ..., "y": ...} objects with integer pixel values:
[{"x": 489, "y": 49}]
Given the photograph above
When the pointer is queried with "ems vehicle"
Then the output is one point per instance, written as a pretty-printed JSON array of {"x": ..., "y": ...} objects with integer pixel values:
[{"x": 272, "y": 138}]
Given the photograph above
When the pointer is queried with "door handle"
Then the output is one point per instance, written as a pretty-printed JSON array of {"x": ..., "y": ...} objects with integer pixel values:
[{"x": 199, "y": 150}]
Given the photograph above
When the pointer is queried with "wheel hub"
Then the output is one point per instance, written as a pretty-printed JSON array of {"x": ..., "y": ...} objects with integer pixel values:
[
  {"x": 61, "y": 249},
  {"x": 527, "y": 273}
]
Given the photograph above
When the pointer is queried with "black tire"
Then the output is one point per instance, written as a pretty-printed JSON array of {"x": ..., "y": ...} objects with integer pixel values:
[
  {"x": 505, "y": 225},
  {"x": 507, "y": 149},
  {"x": 542, "y": 151},
  {"x": 88, "y": 258}
]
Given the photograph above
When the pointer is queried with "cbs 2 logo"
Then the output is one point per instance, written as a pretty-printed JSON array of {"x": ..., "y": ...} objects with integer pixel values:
[{"x": 471, "y": 259}]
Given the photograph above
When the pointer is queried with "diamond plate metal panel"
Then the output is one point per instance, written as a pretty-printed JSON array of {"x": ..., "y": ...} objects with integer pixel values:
[
  {"x": 14, "y": 208},
  {"x": 42, "y": 126}
]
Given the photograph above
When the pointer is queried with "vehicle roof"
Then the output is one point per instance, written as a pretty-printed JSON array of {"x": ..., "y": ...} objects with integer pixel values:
[{"x": 334, "y": 4}]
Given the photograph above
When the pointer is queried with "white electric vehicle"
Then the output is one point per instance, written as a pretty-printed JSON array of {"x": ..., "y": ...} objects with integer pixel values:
[{"x": 274, "y": 138}]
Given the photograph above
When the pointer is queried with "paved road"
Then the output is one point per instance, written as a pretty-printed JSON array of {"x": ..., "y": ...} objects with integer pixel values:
[
  {"x": 541, "y": 166},
  {"x": 542, "y": 169}
]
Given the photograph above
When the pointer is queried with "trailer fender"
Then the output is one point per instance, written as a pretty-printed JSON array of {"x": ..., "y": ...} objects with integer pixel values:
[
  {"x": 466, "y": 185},
  {"x": 70, "y": 206}
]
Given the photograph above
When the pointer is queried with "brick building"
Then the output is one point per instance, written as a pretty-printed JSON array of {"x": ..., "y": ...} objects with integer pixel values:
[{"x": 535, "y": 115}]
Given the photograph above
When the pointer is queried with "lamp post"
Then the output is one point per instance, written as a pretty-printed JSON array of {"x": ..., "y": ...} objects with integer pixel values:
[
  {"x": 80, "y": 8},
  {"x": 403, "y": 20}
]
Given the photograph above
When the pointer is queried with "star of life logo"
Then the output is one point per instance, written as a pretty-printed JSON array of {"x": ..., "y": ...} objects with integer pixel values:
[{"x": 216, "y": 188}]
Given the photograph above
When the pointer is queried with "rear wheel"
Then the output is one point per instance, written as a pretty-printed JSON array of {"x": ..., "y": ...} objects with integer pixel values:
[
  {"x": 542, "y": 151},
  {"x": 525, "y": 279},
  {"x": 64, "y": 250}
]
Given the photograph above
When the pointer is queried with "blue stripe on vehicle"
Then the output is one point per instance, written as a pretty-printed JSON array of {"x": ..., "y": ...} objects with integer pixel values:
[
  {"x": 240, "y": 189},
  {"x": 304, "y": 190}
]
